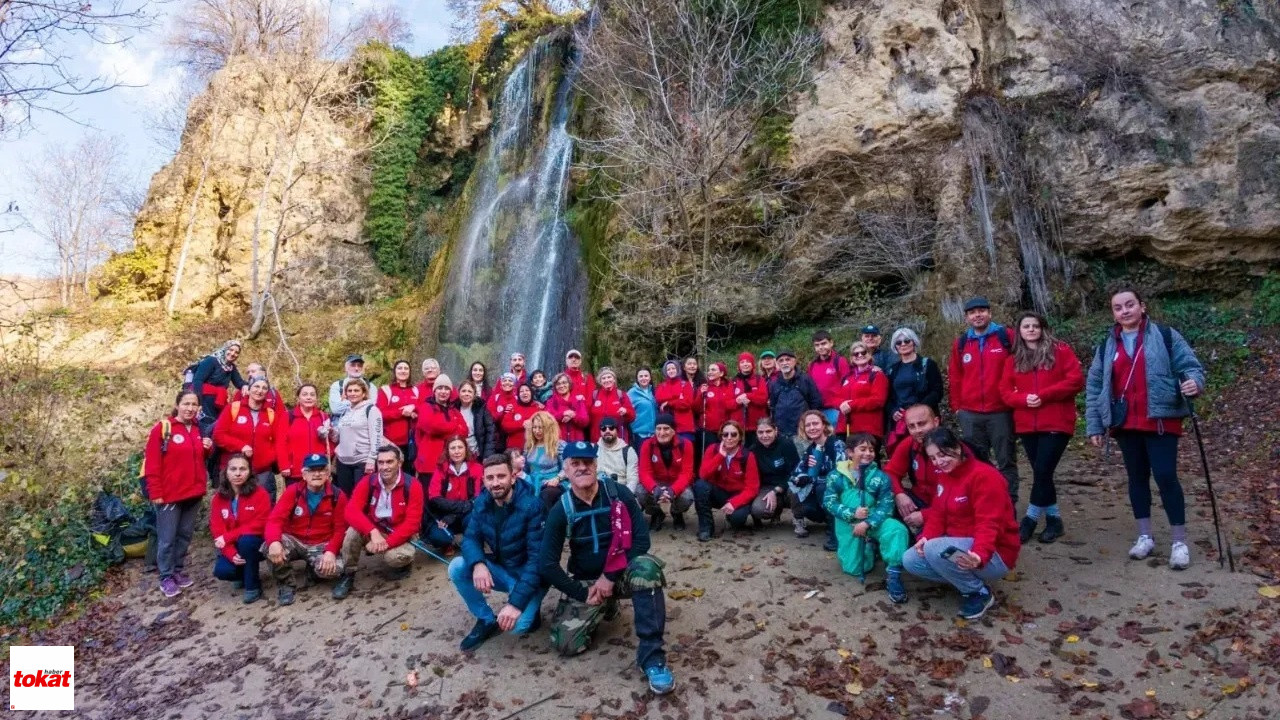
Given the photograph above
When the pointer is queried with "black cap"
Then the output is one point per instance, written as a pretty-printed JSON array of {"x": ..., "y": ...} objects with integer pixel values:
[
  {"x": 355, "y": 357},
  {"x": 608, "y": 423},
  {"x": 870, "y": 330},
  {"x": 786, "y": 352},
  {"x": 315, "y": 461},
  {"x": 976, "y": 302},
  {"x": 665, "y": 419},
  {"x": 579, "y": 449}
]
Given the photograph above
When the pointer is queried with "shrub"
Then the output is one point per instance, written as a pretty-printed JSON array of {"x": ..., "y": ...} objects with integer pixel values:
[{"x": 132, "y": 276}]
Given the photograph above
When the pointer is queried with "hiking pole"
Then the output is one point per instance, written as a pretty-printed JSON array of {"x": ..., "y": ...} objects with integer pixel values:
[
  {"x": 1213, "y": 502},
  {"x": 417, "y": 545}
]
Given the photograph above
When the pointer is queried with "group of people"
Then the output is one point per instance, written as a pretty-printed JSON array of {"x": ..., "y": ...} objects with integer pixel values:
[{"x": 500, "y": 476}]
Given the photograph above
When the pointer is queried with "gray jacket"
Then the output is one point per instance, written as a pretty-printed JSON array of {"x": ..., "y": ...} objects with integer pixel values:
[{"x": 1165, "y": 371}]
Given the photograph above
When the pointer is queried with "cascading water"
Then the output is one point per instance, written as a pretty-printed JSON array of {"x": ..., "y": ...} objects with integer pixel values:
[{"x": 517, "y": 282}]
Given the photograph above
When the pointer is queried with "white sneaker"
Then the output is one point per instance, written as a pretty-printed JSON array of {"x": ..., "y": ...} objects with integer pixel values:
[
  {"x": 1180, "y": 556},
  {"x": 1142, "y": 548},
  {"x": 801, "y": 527}
]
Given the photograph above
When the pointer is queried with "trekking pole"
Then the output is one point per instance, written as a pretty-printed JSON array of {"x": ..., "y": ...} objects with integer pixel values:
[
  {"x": 1213, "y": 502},
  {"x": 417, "y": 545}
]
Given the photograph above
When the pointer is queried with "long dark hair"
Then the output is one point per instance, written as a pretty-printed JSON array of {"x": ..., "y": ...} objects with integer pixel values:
[
  {"x": 947, "y": 441},
  {"x": 699, "y": 378},
  {"x": 1026, "y": 359},
  {"x": 407, "y": 383},
  {"x": 483, "y": 387},
  {"x": 224, "y": 485}
]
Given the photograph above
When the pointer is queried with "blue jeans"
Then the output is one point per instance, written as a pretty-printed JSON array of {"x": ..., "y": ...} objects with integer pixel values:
[
  {"x": 438, "y": 536},
  {"x": 932, "y": 566},
  {"x": 477, "y": 605},
  {"x": 250, "y": 548}
]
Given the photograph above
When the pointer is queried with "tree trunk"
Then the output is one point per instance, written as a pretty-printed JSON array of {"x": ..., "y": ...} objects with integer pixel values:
[
  {"x": 260, "y": 314},
  {"x": 257, "y": 226},
  {"x": 216, "y": 131},
  {"x": 700, "y": 320}
]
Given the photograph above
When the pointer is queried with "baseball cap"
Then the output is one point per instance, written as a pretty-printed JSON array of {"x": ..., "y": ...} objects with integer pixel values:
[
  {"x": 580, "y": 449},
  {"x": 870, "y": 330},
  {"x": 975, "y": 303},
  {"x": 786, "y": 352},
  {"x": 608, "y": 423},
  {"x": 315, "y": 461},
  {"x": 355, "y": 358},
  {"x": 768, "y": 354}
]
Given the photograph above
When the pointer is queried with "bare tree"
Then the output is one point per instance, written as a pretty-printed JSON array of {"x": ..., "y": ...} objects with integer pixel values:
[
  {"x": 384, "y": 24},
  {"x": 680, "y": 90},
  {"x": 36, "y": 69},
  {"x": 72, "y": 193},
  {"x": 207, "y": 33}
]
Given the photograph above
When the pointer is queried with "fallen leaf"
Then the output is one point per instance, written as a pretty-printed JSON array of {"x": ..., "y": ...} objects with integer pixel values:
[
  {"x": 404, "y": 626},
  {"x": 697, "y": 592},
  {"x": 678, "y": 594},
  {"x": 986, "y": 663},
  {"x": 1073, "y": 638},
  {"x": 844, "y": 653},
  {"x": 1150, "y": 693},
  {"x": 1230, "y": 689},
  {"x": 1269, "y": 591},
  {"x": 853, "y": 688},
  {"x": 411, "y": 679},
  {"x": 1195, "y": 713},
  {"x": 1088, "y": 684},
  {"x": 1013, "y": 678}
]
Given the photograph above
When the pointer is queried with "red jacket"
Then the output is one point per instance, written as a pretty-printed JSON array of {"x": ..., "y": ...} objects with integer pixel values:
[
  {"x": 829, "y": 376},
  {"x": 435, "y": 425},
  {"x": 1139, "y": 415},
  {"x": 677, "y": 396},
  {"x": 735, "y": 475},
  {"x": 291, "y": 516},
  {"x": 301, "y": 438},
  {"x": 974, "y": 372},
  {"x": 392, "y": 400},
  {"x": 719, "y": 404},
  {"x": 582, "y": 385},
  {"x": 249, "y": 518},
  {"x": 654, "y": 472},
  {"x": 866, "y": 393},
  {"x": 570, "y": 430},
  {"x": 616, "y": 405},
  {"x": 973, "y": 502},
  {"x": 406, "y": 508},
  {"x": 757, "y": 392},
  {"x": 512, "y": 423},
  {"x": 500, "y": 403},
  {"x": 910, "y": 463},
  {"x": 235, "y": 429},
  {"x": 447, "y": 484},
  {"x": 174, "y": 468},
  {"x": 1057, "y": 388}
]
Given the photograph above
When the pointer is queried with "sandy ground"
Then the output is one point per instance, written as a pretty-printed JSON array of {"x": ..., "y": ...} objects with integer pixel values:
[{"x": 1081, "y": 630}]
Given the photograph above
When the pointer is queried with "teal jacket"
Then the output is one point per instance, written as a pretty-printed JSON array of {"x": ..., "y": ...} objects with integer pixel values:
[{"x": 876, "y": 494}]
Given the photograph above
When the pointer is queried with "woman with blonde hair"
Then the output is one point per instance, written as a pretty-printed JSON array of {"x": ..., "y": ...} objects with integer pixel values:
[{"x": 542, "y": 452}]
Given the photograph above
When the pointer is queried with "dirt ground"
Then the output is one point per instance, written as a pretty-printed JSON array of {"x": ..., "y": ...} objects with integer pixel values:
[{"x": 1080, "y": 630}]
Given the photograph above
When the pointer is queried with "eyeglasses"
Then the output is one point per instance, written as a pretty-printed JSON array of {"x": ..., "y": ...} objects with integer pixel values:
[
  {"x": 859, "y": 353},
  {"x": 905, "y": 341},
  {"x": 728, "y": 434}
]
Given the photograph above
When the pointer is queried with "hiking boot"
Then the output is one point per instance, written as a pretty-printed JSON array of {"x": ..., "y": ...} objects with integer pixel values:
[
  {"x": 1180, "y": 556},
  {"x": 831, "y": 545},
  {"x": 893, "y": 585},
  {"x": 1142, "y": 548},
  {"x": 1053, "y": 529},
  {"x": 169, "y": 586},
  {"x": 801, "y": 527},
  {"x": 284, "y": 595},
  {"x": 483, "y": 630},
  {"x": 657, "y": 520},
  {"x": 975, "y": 605},
  {"x": 704, "y": 536},
  {"x": 661, "y": 681},
  {"x": 344, "y": 586},
  {"x": 400, "y": 573},
  {"x": 1027, "y": 528},
  {"x": 677, "y": 521},
  {"x": 252, "y": 596},
  {"x": 182, "y": 580}
]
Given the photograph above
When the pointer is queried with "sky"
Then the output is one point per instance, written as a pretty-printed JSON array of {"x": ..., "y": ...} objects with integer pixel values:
[{"x": 123, "y": 113}]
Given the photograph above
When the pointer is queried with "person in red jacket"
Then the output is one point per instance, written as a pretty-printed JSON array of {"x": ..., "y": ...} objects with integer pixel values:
[
  {"x": 455, "y": 483},
  {"x": 750, "y": 396},
  {"x": 383, "y": 515},
  {"x": 970, "y": 538},
  {"x": 716, "y": 403},
  {"x": 237, "y": 521},
  {"x": 828, "y": 370},
  {"x": 516, "y": 368},
  {"x": 438, "y": 420},
  {"x": 174, "y": 477},
  {"x": 1040, "y": 382},
  {"x": 584, "y": 386},
  {"x": 568, "y": 408},
  {"x": 273, "y": 399},
  {"x": 255, "y": 430},
  {"x": 666, "y": 474},
  {"x": 728, "y": 480},
  {"x": 974, "y": 370},
  {"x": 515, "y": 421},
  {"x": 479, "y": 376},
  {"x": 306, "y": 433},
  {"x": 865, "y": 391},
  {"x": 398, "y": 403},
  {"x": 502, "y": 397},
  {"x": 676, "y": 397},
  {"x": 308, "y": 523},
  {"x": 915, "y": 481},
  {"x": 610, "y": 402}
]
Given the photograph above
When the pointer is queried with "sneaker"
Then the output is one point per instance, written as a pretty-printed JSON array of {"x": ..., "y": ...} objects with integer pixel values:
[
  {"x": 182, "y": 580},
  {"x": 975, "y": 605},
  {"x": 169, "y": 586},
  {"x": 483, "y": 630},
  {"x": 344, "y": 586},
  {"x": 1053, "y": 529},
  {"x": 802, "y": 528},
  {"x": 677, "y": 521},
  {"x": 251, "y": 596},
  {"x": 831, "y": 545},
  {"x": 1180, "y": 556},
  {"x": 893, "y": 585},
  {"x": 284, "y": 595},
  {"x": 704, "y": 536},
  {"x": 661, "y": 681},
  {"x": 1026, "y": 528},
  {"x": 1142, "y": 548}
]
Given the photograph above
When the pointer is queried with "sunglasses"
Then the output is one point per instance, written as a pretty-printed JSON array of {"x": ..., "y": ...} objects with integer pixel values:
[
  {"x": 859, "y": 353},
  {"x": 728, "y": 434},
  {"x": 905, "y": 342}
]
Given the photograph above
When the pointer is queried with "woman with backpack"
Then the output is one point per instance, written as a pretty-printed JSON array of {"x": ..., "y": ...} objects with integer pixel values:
[
  {"x": 237, "y": 521},
  {"x": 750, "y": 396},
  {"x": 254, "y": 429},
  {"x": 727, "y": 481},
  {"x": 808, "y": 481},
  {"x": 306, "y": 433},
  {"x": 457, "y": 480},
  {"x": 913, "y": 380},
  {"x": 213, "y": 378},
  {"x": 865, "y": 391},
  {"x": 610, "y": 402},
  {"x": 438, "y": 420},
  {"x": 1137, "y": 382},
  {"x": 1040, "y": 382},
  {"x": 359, "y": 435},
  {"x": 398, "y": 403},
  {"x": 174, "y": 477}
]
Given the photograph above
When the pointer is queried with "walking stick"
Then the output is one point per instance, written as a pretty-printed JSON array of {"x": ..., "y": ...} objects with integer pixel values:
[
  {"x": 417, "y": 544},
  {"x": 1213, "y": 502}
]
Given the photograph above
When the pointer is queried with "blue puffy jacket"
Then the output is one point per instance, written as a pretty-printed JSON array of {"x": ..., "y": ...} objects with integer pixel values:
[
  {"x": 646, "y": 410},
  {"x": 515, "y": 545}
]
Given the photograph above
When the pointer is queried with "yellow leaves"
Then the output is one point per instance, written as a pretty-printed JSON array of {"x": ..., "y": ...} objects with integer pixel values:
[
  {"x": 1195, "y": 713},
  {"x": 1150, "y": 693},
  {"x": 853, "y": 688},
  {"x": 1088, "y": 685},
  {"x": 844, "y": 653},
  {"x": 1269, "y": 591},
  {"x": 404, "y": 626},
  {"x": 1073, "y": 638},
  {"x": 986, "y": 663},
  {"x": 1013, "y": 679},
  {"x": 686, "y": 594},
  {"x": 1230, "y": 689},
  {"x": 697, "y": 592}
]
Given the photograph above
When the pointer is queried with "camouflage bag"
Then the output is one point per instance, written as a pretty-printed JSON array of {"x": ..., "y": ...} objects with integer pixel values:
[{"x": 574, "y": 623}]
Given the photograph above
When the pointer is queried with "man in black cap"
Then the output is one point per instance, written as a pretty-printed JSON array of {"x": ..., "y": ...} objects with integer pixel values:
[
  {"x": 337, "y": 400},
  {"x": 617, "y": 459},
  {"x": 790, "y": 394},
  {"x": 881, "y": 357},
  {"x": 608, "y": 559},
  {"x": 975, "y": 369}
]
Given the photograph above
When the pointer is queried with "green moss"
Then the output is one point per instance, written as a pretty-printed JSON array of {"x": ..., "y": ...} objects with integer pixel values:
[{"x": 133, "y": 276}]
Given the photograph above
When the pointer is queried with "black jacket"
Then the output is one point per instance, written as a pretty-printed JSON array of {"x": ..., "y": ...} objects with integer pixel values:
[
  {"x": 928, "y": 389},
  {"x": 775, "y": 462},
  {"x": 789, "y": 399},
  {"x": 485, "y": 430}
]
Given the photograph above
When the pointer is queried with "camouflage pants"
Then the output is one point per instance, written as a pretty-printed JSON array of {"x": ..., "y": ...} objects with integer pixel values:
[
  {"x": 574, "y": 623},
  {"x": 295, "y": 549}
]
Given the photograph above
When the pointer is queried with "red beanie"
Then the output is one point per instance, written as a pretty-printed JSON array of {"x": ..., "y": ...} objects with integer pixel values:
[{"x": 747, "y": 356}]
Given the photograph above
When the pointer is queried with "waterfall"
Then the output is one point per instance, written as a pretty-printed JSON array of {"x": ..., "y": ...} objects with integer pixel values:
[{"x": 517, "y": 282}]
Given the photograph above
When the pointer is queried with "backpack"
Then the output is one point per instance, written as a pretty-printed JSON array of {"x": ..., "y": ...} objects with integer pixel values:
[
  {"x": 189, "y": 375},
  {"x": 1166, "y": 334},
  {"x": 571, "y": 515},
  {"x": 166, "y": 432},
  {"x": 271, "y": 412},
  {"x": 1002, "y": 336},
  {"x": 302, "y": 492},
  {"x": 404, "y": 490}
]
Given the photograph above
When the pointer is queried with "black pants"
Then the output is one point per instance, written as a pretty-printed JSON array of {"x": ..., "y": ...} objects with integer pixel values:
[
  {"x": 550, "y": 495},
  {"x": 702, "y": 439},
  {"x": 708, "y": 497},
  {"x": 346, "y": 476},
  {"x": 1044, "y": 451},
  {"x": 1148, "y": 454},
  {"x": 410, "y": 452}
]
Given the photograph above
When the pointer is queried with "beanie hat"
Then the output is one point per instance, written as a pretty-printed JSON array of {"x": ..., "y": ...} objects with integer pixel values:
[
  {"x": 442, "y": 381},
  {"x": 665, "y": 419},
  {"x": 747, "y": 356}
]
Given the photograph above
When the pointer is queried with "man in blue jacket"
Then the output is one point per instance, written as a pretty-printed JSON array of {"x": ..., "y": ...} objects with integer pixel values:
[
  {"x": 790, "y": 395},
  {"x": 507, "y": 518}
]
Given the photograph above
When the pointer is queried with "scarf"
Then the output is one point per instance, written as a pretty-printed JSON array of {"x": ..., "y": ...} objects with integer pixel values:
[
  {"x": 221, "y": 354},
  {"x": 620, "y": 521}
]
